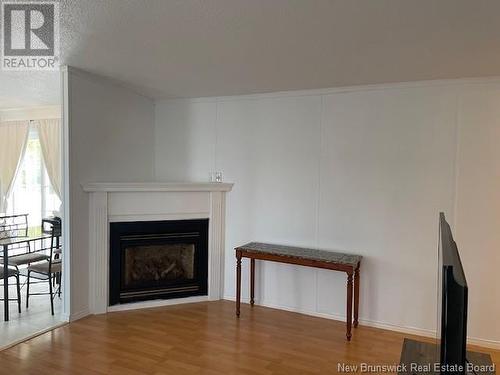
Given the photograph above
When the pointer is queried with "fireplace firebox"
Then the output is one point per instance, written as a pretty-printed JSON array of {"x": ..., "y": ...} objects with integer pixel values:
[{"x": 158, "y": 260}]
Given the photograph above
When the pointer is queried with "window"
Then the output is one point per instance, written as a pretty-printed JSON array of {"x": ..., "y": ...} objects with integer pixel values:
[{"x": 32, "y": 192}]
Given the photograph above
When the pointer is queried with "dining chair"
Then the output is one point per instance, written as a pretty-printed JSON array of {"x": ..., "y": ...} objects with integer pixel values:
[
  {"x": 14, "y": 226},
  {"x": 12, "y": 272},
  {"x": 46, "y": 271},
  {"x": 47, "y": 225}
]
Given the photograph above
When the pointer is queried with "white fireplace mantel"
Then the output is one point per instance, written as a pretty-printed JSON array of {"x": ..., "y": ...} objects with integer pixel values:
[
  {"x": 156, "y": 186},
  {"x": 118, "y": 202}
]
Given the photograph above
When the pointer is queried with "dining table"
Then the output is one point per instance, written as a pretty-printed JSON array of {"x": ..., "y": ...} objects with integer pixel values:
[{"x": 35, "y": 234}]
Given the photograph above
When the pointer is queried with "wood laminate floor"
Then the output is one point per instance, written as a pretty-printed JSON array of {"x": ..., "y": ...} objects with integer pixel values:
[{"x": 202, "y": 338}]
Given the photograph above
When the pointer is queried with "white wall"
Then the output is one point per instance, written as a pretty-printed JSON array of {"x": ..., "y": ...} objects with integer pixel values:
[
  {"x": 364, "y": 170},
  {"x": 111, "y": 131},
  {"x": 478, "y": 205}
]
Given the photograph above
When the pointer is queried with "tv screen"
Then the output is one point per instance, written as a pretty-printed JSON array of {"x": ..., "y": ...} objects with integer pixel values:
[{"x": 453, "y": 304}]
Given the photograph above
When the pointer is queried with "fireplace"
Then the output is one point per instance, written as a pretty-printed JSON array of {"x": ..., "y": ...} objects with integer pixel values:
[{"x": 158, "y": 260}]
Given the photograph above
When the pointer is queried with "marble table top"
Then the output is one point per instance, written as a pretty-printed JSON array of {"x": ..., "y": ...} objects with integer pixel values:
[{"x": 301, "y": 252}]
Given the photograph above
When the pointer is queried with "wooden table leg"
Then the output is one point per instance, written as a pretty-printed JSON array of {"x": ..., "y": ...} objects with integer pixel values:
[
  {"x": 349, "y": 306},
  {"x": 6, "y": 283},
  {"x": 356, "y": 297},
  {"x": 238, "y": 282},
  {"x": 252, "y": 281}
]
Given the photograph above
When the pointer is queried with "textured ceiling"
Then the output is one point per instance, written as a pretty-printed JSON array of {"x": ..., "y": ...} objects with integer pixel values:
[
  {"x": 192, "y": 48},
  {"x": 29, "y": 89}
]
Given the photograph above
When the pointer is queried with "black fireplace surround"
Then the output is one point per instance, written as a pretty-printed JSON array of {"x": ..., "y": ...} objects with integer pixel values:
[{"x": 158, "y": 260}]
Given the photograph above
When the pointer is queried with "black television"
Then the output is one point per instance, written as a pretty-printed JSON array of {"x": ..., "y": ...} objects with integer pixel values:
[{"x": 453, "y": 306}]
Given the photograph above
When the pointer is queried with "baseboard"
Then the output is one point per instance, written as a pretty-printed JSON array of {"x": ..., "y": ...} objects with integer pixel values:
[
  {"x": 78, "y": 315},
  {"x": 489, "y": 344},
  {"x": 156, "y": 303}
]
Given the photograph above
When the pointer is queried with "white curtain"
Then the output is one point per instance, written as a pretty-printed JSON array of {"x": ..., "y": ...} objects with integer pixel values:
[
  {"x": 50, "y": 139},
  {"x": 13, "y": 138}
]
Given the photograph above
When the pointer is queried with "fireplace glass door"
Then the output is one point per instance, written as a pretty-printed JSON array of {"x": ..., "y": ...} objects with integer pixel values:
[
  {"x": 151, "y": 260},
  {"x": 152, "y": 265}
]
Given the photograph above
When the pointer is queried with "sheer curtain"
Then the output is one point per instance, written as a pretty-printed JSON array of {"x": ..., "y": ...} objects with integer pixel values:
[
  {"x": 50, "y": 140},
  {"x": 13, "y": 137}
]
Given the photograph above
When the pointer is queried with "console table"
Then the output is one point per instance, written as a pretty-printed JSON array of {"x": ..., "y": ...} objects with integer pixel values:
[{"x": 347, "y": 263}]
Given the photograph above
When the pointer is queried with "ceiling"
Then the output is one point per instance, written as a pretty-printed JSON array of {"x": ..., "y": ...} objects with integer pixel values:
[
  {"x": 29, "y": 89},
  {"x": 193, "y": 48}
]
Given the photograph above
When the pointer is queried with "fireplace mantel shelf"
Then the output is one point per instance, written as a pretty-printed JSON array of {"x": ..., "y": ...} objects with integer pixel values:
[{"x": 156, "y": 186}]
